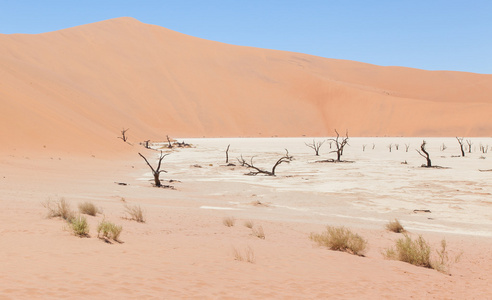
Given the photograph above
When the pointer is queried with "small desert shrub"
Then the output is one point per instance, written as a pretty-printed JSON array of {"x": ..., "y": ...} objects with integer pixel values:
[
  {"x": 259, "y": 233},
  {"x": 108, "y": 231},
  {"x": 79, "y": 226},
  {"x": 340, "y": 239},
  {"x": 395, "y": 226},
  {"x": 59, "y": 208},
  {"x": 229, "y": 221},
  {"x": 416, "y": 252},
  {"x": 88, "y": 208},
  {"x": 248, "y": 255},
  {"x": 135, "y": 213},
  {"x": 249, "y": 224}
]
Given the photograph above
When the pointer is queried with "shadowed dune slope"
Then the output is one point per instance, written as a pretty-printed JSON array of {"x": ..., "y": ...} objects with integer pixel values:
[{"x": 75, "y": 89}]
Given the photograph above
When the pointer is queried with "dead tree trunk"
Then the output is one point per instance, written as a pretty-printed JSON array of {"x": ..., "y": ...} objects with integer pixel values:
[
  {"x": 390, "y": 146},
  {"x": 339, "y": 144},
  {"x": 460, "y": 140},
  {"x": 169, "y": 145},
  {"x": 315, "y": 146},
  {"x": 469, "y": 142},
  {"x": 286, "y": 158},
  {"x": 123, "y": 135},
  {"x": 157, "y": 171},
  {"x": 146, "y": 144},
  {"x": 227, "y": 154},
  {"x": 406, "y": 147},
  {"x": 426, "y": 156}
]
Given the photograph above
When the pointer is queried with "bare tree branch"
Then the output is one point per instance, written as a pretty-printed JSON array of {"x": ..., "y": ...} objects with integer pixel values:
[
  {"x": 315, "y": 146},
  {"x": 340, "y": 144},
  {"x": 286, "y": 158},
  {"x": 156, "y": 172},
  {"x": 123, "y": 135},
  {"x": 460, "y": 140},
  {"x": 426, "y": 156}
]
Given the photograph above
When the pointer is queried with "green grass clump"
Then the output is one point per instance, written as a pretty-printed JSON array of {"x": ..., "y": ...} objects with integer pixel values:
[
  {"x": 135, "y": 213},
  {"x": 395, "y": 226},
  {"x": 340, "y": 239},
  {"x": 88, "y": 208},
  {"x": 60, "y": 208},
  {"x": 108, "y": 231},
  {"x": 79, "y": 226}
]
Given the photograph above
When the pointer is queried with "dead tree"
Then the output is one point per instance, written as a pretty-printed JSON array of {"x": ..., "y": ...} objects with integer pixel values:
[
  {"x": 397, "y": 146},
  {"x": 146, "y": 144},
  {"x": 469, "y": 142},
  {"x": 169, "y": 145},
  {"x": 157, "y": 171},
  {"x": 406, "y": 147},
  {"x": 426, "y": 156},
  {"x": 443, "y": 147},
  {"x": 364, "y": 147},
  {"x": 315, "y": 146},
  {"x": 340, "y": 144},
  {"x": 373, "y": 146},
  {"x": 483, "y": 148},
  {"x": 390, "y": 146},
  {"x": 227, "y": 154},
  {"x": 123, "y": 135},
  {"x": 286, "y": 158},
  {"x": 242, "y": 161},
  {"x": 460, "y": 140}
]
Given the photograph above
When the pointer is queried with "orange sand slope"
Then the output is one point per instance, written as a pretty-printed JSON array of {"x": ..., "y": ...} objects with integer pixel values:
[{"x": 77, "y": 88}]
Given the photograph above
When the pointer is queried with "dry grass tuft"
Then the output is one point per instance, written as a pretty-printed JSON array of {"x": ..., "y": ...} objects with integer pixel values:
[
  {"x": 60, "y": 209},
  {"x": 340, "y": 239},
  {"x": 135, "y": 213},
  {"x": 248, "y": 255},
  {"x": 229, "y": 221},
  {"x": 259, "y": 233},
  {"x": 249, "y": 224},
  {"x": 395, "y": 226},
  {"x": 108, "y": 231},
  {"x": 88, "y": 208},
  {"x": 418, "y": 252},
  {"x": 79, "y": 226}
]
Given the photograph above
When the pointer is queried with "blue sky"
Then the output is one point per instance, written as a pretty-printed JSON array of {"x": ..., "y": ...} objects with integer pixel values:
[{"x": 432, "y": 34}]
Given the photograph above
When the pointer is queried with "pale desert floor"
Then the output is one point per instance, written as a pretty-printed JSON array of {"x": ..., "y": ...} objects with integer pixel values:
[{"x": 185, "y": 251}]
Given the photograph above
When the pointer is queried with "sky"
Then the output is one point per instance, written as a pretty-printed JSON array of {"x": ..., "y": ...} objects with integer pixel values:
[{"x": 424, "y": 34}]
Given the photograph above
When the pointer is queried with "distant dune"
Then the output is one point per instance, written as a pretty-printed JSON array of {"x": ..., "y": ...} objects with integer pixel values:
[{"x": 75, "y": 89}]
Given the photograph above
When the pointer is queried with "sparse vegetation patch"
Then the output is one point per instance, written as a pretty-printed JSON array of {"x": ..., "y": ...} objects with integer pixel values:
[
  {"x": 340, "y": 239},
  {"x": 229, "y": 221},
  {"x": 79, "y": 226},
  {"x": 88, "y": 208},
  {"x": 249, "y": 224},
  {"x": 258, "y": 232},
  {"x": 418, "y": 252},
  {"x": 108, "y": 231},
  {"x": 60, "y": 208},
  {"x": 135, "y": 213},
  {"x": 247, "y": 255},
  {"x": 395, "y": 226}
]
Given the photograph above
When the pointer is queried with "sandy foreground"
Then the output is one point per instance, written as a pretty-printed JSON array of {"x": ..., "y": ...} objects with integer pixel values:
[{"x": 184, "y": 250}]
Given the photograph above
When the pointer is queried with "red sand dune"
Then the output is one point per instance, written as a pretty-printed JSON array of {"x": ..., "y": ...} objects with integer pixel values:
[{"x": 75, "y": 89}]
